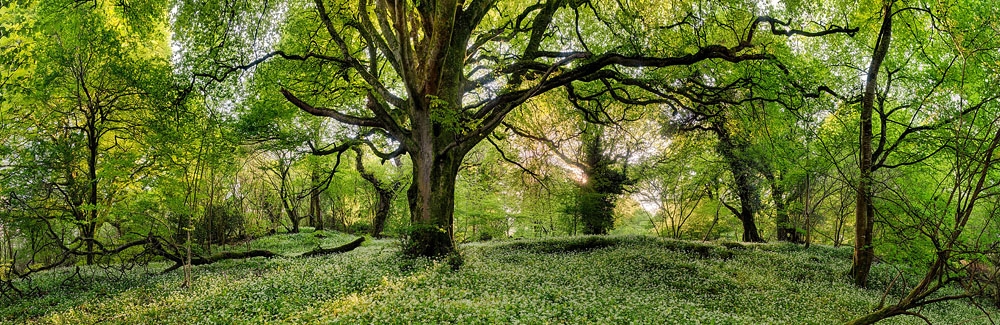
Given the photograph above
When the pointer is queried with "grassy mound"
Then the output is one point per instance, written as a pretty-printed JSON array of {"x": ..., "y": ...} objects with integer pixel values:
[{"x": 617, "y": 279}]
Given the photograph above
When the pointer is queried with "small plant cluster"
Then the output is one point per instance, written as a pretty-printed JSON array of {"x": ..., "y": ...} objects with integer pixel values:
[{"x": 577, "y": 280}]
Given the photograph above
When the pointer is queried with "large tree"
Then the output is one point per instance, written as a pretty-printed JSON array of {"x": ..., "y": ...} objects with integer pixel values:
[
  {"x": 440, "y": 76},
  {"x": 913, "y": 75},
  {"x": 89, "y": 103}
]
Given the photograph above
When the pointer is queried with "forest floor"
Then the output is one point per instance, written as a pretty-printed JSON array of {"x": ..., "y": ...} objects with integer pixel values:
[{"x": 620, "y": 279}]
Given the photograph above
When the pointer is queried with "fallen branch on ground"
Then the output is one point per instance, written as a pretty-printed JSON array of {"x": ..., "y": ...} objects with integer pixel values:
[
  {"x": 201, "y": 260},
  {"x": 336, "y": 250}
]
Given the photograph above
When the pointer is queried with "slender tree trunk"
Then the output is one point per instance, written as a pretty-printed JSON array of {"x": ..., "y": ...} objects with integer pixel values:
[
  {"x": 211, "y": 208},
  {"x": 841, "y": 218},
  {"x": 785, "y": 228},
  {"x": 90, "y": 226},
  {"x": 715, "y": 221},
  {"x": 315, "y": 210},
  {"x": 807, "y": 210},
  {"x": 286, "y": 197},
  {"x": 187, "y": 265},
  {"x": 384, "y": 193},
  {"x": 874, "y": 317},
  {"x": 320, "y": 225},
  {"x": 864, "y": 252}
]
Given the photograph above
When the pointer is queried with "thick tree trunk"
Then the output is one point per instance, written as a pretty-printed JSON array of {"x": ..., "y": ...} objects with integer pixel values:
[
  {"x": 432, "y": 203},
  {"x": 750, "y": 233},
  {"x": 596, "y": 199},
  {"x": 785, "y": 229},
  {"x": 746, "y": 190},
  {"x": 864, "y": 253},
  {"x": 294, "y": 216},
  {"x": 749, "y": 199},
  {"x": 88, "y": 235}
]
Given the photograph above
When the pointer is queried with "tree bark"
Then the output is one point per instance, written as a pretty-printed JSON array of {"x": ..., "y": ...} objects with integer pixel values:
[
  {"x": 293, "y": 216},
  {"x": 286, "y": 197},
  {"x": 385, "y": 194},
  {"x": 382, "y": 209},
  {"x": 596, "y": 199},
  {"x": 746, "y": 189},
  {"x": 785, "y": 228},
  {"x": 315, "y": 209},
  {"x": 864, "y": 252},
  {"x": 807, "y": 211},
  {"x": 432, "y": 204},
  {"x": 90, "y": 225}
]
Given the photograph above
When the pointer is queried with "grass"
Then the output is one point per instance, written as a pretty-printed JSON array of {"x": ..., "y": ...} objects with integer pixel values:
[{"x": 622, "y": 279}]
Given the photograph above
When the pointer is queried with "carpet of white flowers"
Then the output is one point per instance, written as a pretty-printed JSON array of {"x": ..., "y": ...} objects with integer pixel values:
[{"x": 602, "y": 280}]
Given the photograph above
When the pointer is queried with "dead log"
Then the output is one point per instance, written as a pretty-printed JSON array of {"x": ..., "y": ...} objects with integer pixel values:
[
  {"x": 201, "y": 260},
  {"x": 336, "y": 250},
  {"x": 231, "y": 256}
]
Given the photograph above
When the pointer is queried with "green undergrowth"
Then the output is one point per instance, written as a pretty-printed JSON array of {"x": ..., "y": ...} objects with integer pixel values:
[{"x": 618, "y": 279}]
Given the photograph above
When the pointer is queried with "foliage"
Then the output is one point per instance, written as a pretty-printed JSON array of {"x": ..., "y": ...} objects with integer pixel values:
[
  {"x": 129, "y": 128},
  {"x": 523, "y": 281}
]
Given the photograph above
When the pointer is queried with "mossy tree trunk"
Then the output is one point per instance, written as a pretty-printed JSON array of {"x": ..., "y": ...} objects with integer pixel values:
[
  {"x": 596, "y": 200},
  {"x": 432, "y": 205},
  {"x": 742, "y": 168}
]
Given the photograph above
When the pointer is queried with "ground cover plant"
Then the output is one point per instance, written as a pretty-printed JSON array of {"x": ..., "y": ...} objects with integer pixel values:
[
  {"x": 572, "y": 280},
  {"x": 233, "y": 144}
]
